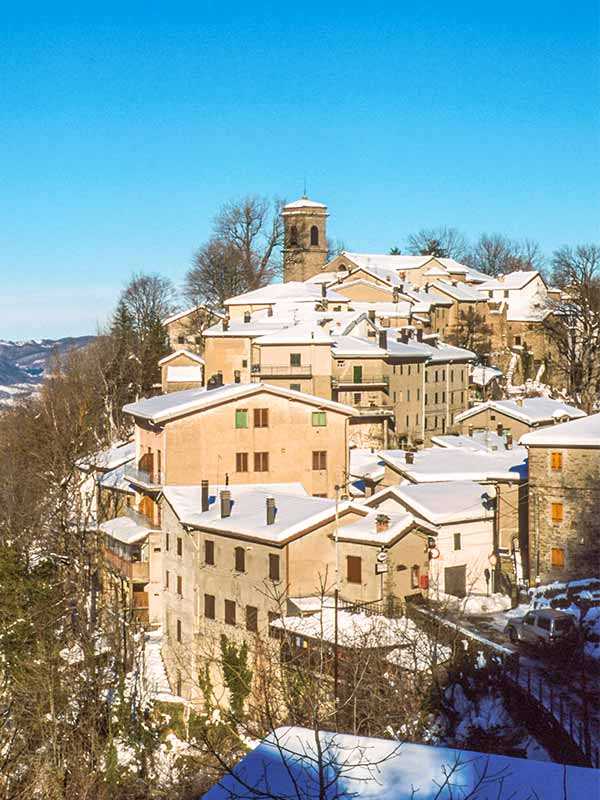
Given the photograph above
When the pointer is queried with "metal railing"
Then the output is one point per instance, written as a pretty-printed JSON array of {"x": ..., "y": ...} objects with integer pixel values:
[
  {"x": 142, "y": 477},
  {"x": 283, "y": 371},
  {"x": 367, "y": 382}
]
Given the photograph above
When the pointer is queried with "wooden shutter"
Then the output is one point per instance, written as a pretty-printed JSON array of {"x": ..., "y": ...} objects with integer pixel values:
[
  {"x": 558, "y": 557},
  {"x": 556, "y": 461},
  {"x": 209, "y": 606},
  {"x": 273, "y": 567},
  {"x": 251, "y": 618},
  {"x": 354, "y": 569},
  {"x": 240, "y": 559},
  {"x": 557, "y": 512},
  {"x": 230, "y": 612},
  {"x": 209, "y": 552}
]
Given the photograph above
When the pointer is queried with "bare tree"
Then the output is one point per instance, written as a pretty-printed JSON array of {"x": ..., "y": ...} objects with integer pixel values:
[
  {"x": 242, "y": 254},
  {"x": 442, "y": 242},
  {"x": 471, "y": 331},
  {"x": 573, "y": 327},
  {"x": 495, "y": 254}
]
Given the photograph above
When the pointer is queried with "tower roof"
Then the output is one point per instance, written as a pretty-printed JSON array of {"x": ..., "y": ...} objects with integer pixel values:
[{"x": 303, "y": 202}]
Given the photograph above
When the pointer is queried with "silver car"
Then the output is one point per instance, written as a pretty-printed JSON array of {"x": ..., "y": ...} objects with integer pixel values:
[{"x": 544, "y": 627}]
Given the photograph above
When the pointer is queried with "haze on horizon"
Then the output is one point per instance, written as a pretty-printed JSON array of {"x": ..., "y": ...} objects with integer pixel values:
[{"x": 125, "y": 130}]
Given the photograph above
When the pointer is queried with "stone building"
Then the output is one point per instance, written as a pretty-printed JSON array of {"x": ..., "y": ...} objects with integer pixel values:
[
  {"x": 185, "y": 328},
  {"x": 305, "y": 239},
  {"x": 564, "y": 500},
  {"x": 516, "y": 417}
]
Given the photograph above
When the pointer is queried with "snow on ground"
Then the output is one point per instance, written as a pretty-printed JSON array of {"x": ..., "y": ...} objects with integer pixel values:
[
  {"x": 476, "y": 604},
  {"x": 155, "y": 674}
]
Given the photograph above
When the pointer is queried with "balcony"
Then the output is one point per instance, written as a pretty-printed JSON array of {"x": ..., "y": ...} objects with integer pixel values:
[
  {"x": 367, "y": 384},
  {"x": 285, "y": 371},
  {"x": 373, "y": 411},
  {"x": 138, "y": 571},
  {"x": 144, "y": 478}
]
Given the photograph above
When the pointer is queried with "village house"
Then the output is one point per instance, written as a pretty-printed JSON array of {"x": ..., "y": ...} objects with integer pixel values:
[
  {"x": 564, "y": 499},
  {"x": 238, "y": 433},
  {"x": 516, "y": 417},
  {"x": 185, "y": 328},
  {"x": 180, "y": 370}
]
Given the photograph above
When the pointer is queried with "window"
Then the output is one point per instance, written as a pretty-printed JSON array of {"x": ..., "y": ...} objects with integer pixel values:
[
  {"x": 209, "y": 552},
  {"x": 230, "y": 612},
  {"x": 167, "y": 579},
  {"x": 407, "y": 421},
  {"x": 179, "y": 546},
  {"x": 506, "y": 293},
  {"x": 241, "y": 418},
  {"x": 180, "y": 586},
  {"x": 517, "y": 340},
  {"x": 241, "y": 462},
  {"x": 356, "y": 374},
  {"x": 543, "y": 623},
  {"x": 319, "y": 419},
  {"x": 415, "y": 576},
  {"x": 261, "y": 462},
  {"x": 557, "y": 512},
  {"x": 181, "y": 339},
  {"x": 418, "y": 394},
  {"x": 314, "y": 236},
  {"x": 295, "y": 359},
  {"x": 356, "y": 398},
  {"x": 558, "y": 557},
  {"x": 178, "y": 684},
  {"x": 240, "y": 559},
  {"x": 294, "y": 235},
  {"x": 452, "y": 375},
  {"x": 261, "y": 417},
  {"x": 244, "y": 363},
  {"x": 273, "y": 567},
  {"x": 295, "y": 387},
  {"x": 457, "y": 542},
  {"x": 209, "y": 606},
  {"x": 409, "y": 369},
  {"x": 426, "y": 399},
  {"x": 197, "y": 340},
  {"x": 319, "y": 459},
  {"x": 529, "y": 619},
  {"x": 408, "y": 395},
  {"x": 167, "y": 542},
  {"x": 353, "y": 569},
  {"x": 556, "y": 461},
  {"x": 251, "y": 618},
  {"x": 179, "y": 630},
  {"x": 436, "y": 398}
]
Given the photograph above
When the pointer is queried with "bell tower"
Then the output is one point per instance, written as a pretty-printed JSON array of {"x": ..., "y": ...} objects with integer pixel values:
[{"x": 305, "y": 242}]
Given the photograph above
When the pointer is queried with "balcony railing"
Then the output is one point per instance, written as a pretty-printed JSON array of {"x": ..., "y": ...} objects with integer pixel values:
[
  {"x": 284, "y": 371},
  {"x": 373, "y": 411},
  {"x": 138, "y": 571},
  {"x": 143, "y": 477},
  {"x": 381, "y": 382}
]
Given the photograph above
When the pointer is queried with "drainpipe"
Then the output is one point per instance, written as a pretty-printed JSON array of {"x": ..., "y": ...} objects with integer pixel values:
[
  {"x": 448, "y": 395},
  {"x": 423, "y": 402}
]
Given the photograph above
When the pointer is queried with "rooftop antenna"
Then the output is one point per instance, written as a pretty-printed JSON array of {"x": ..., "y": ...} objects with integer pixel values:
[{"x": 304, "y": 194}]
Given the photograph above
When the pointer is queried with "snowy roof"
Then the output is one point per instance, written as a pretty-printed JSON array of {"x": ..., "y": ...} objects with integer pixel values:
[
  {"x": 365, "y": 530},
  {"x": 296, "y": 510},
  {"x": 298, "y": 334},
  {"x": 125, "y": 530},
  {"x": 436, "y": 464},
  {"x": 480, "y": 440},
  {"x": 534, "y": 410},
  {"x": 109, "y": 458},
  {"x": 296, "y": 291},
  {"x": 287, "y": 764},
  {"x": 193, "y": 309},
  {"x": 303, "y": 202},
  {"x": 436, "y": 352},
  {"x": 258, "y": 326},
  {"x": 459, "y": 291},
  {"x": 187, "y": 353},
  {"x": 482, "y": 376},
  {"x": 440, "y": 503},
  {"x": 164, "y": 407},
  {"x": 512, "y": 280},
  {"x": 115, "y": 479},
  {"x": 356, "y": 346},
  {"x": 386, "y": 261},
  {"x": 365, "y": 463},
  {"x": 584, "y": 432}
]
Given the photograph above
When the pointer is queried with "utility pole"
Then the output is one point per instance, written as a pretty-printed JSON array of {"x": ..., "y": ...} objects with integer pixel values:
[{"x": 335, "y": 606}]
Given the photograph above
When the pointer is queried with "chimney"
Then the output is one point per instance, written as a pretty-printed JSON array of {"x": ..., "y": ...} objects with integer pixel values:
[
  {"x": 270, "y": 311},
  {"x": 372, "y": 314},
  {"x": 271, "y": 510},
  {"x": 204, "y": 495},
  {"x": 409, "y": 457},
  {"x": 395, "y": 296},
  {"x": 499, "y": 429},
  {"x": 247, "y": 316},
  {"x": 509, "y": 441},
  {"x": 419, "y": 334},
  {"x": 225, "y": 323},
  {"x": 382, "y": 523},
  {"x": 404, "y": 335},
  {"x": 323, "y": 290},
  {"x": 470, "y": 430},
  {"x": 383, "y": 340},
  {"x": 402, "y": 276},
  {"x": 237, "y": 376},
  {"x": 225, "y": 503}
]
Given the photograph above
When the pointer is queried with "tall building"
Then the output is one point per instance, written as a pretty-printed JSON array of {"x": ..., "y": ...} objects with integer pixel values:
[{"x": 305, "y": 242}]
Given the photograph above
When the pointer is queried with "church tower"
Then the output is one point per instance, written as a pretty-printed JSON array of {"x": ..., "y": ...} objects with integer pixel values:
[{"x": 305, "y": 243}]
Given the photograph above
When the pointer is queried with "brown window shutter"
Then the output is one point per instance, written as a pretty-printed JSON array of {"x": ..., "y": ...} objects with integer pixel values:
[
  {"x": 273, "y": 566},
  {"x": 230, "y": 612},
  {"x": 354, "y": 569},
  {"x": 251, "y": 618},
  {"x": 209, "y": 606}
]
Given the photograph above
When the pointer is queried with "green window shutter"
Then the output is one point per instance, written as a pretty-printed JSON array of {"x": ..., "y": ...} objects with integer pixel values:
[
  {"x": 241, "y": 418},
  {"x": 357, "y": 374},
  {"x": 319, "y": 419}
]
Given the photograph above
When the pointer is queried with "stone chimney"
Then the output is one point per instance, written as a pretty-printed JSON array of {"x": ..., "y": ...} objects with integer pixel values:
[
  {"x": 383, "y": 340},
  {"x": 509, "y": 441},
  {"x": 270, "y": 311},
  {"x": 271, "y": 510},
  {"x": 409, "y": 457},
  {"x": 225, "y": 503},
  {"x": 470, "y": 430},
  {"x": 382, "y": 523},
  {"x": 204, "y": 495},
  {"x": 225, "y": 323},
  {"x": 499, "y": 428}
]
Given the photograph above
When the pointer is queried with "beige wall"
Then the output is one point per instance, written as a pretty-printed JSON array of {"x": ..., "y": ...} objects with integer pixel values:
[
  {"x": 313, "y": 376},
  {"x": 226, "y": 354},
  {"x": 488, "y": 419},
  {"x": 176, "y": 386}
]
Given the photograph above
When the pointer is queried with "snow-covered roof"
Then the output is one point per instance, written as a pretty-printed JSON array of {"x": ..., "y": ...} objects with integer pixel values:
[
  {"x": 459, "y": 291},
  {"x": 584, "y": 432},
  {"x": 116, "y": 479},
  {"x": 435, "y": 464},
  {"x": 356, "y": 347},
  {"x": 296, "y": 510},
  {"x": 125, "y": 530},
  {"x": 299, "y": 334},
  {"x": 288, "y": 764},
  {"x": 512, "y": 280},
  {"x": 187, "y": 353},
  {"x": 297, "y": 291},
  {"x": 480, "y": 440},
  {"x": 439, "y": 503},
  {"x": 164, "y": 407},
  {"x": 259, "y": 326},
  {"x": 483, "y": 376},
  {"x": 365, "y": 463},
  {"x": 194, "y": 309},
  {"x": 386, "y": 261},
  {"x": 533, "y": 410},
  {"x": 303, "y": 202},
  {"x": 110, "y": 458},
  {"x": 364, "y": 529}
]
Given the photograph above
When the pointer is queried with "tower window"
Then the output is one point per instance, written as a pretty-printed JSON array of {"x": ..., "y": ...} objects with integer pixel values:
[
  {"x": 294, "y": 235},
  {"x": 314, "y": 235}
]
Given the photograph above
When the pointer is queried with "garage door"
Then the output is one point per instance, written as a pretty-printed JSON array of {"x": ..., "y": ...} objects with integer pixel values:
[{"x": 455, "y": 580}]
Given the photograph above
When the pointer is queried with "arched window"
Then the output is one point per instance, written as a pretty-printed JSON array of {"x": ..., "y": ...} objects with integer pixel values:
[
  {"x": 314, "y": 235},
  {"x": 293, "y": 235}
]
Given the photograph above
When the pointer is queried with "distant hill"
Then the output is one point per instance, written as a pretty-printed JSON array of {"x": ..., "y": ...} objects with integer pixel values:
[{"x": 23, "y": 364}]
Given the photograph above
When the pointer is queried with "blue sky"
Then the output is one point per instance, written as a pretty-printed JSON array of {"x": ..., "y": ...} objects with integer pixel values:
[{"x": 124, "y": 128}]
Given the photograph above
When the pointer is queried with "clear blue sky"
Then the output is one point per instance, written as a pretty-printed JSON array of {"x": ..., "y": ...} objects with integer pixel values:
[{"x": 124, "y": 128}]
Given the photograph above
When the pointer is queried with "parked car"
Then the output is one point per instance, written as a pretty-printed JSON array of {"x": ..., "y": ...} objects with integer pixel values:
[{"x": 545, "y": 627}]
